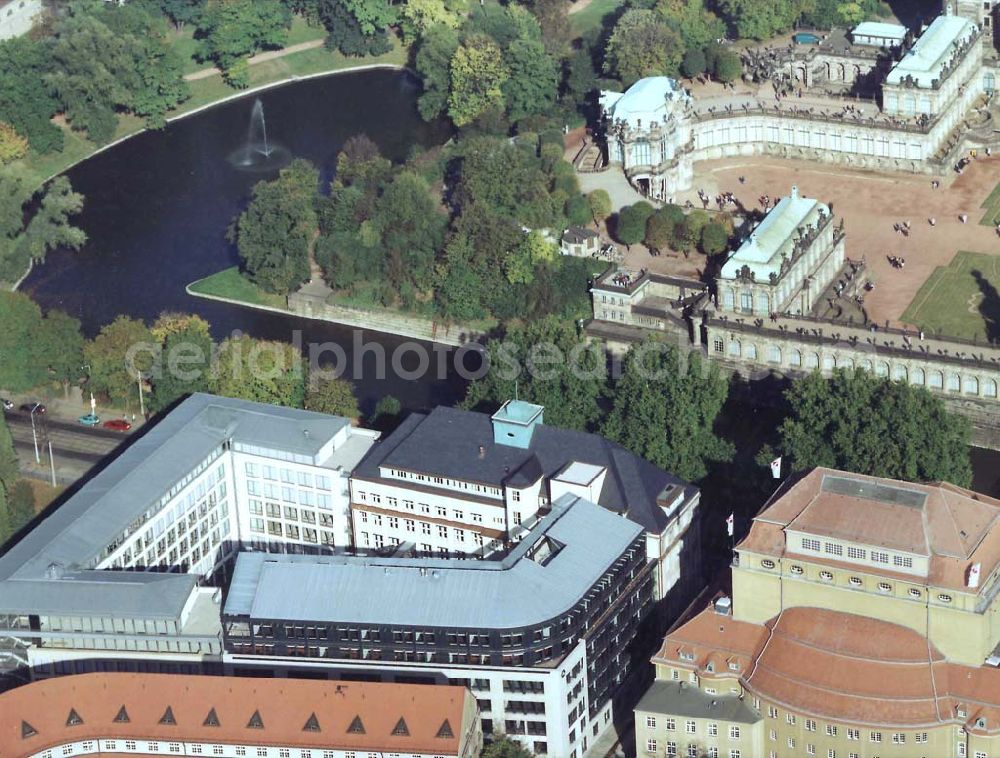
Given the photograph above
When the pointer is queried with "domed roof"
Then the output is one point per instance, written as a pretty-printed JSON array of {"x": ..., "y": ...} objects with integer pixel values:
[{"x": 650, "y": 99}]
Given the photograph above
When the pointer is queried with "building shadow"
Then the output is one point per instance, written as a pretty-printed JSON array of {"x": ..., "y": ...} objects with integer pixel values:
[{"x": 989, "y": 308}]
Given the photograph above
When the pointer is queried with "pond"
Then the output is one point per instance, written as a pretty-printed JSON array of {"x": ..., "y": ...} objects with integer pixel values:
[{"x": 158, "y": 206}]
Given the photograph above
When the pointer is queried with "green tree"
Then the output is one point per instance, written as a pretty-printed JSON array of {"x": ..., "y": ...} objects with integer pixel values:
[
  {"x": 502, "y": 746},
  {"x": 578, "y": 210},
  {"x": 334, "y": 396},
  {"x": 697, "y": 26},
  {"x": 533, "y": 82},
  {"x": 728, "y": 66},
  {"x": 181, "y": 12},
  {"x": 185, "y": 360},
  {"x": 478, "y": 74},
  {"x": 57, "y": 347},
  {"x": 275, "y": 232},
  {"x": 687, "y": 235},
  {"x": 20, "y": 318},
  {"x": 600, "y": 205},
  {"x": 433, "y": 62},
  {"x": 12, "y": 144},
  {"x": 580, "y": 76},
  {"x": 118, "y": 356},
  {"x": 5, "y": 530},
  {"x": 753, "y": 19},
  {"x": 664, "y": 407},
  {"x": 694, "y": 62},
  {"x": 659, "y": 231},
  {"x": 553, "y": 18},
  {"x": 631, "y": 226},
  {"x": 418, "y": 16},
  {"x": 10, "y": 469},
  {"x": 641, "y": 45},
  {"x": 260, "y": 370},
  {"x": 20, "y": 504},
  {"x": 24, "y": 105},
  {"x": 714, "y": 238},
  {"x": 230, "y": 30},
  {"x": 544, "y": 362},
  {"x": 387, "y": 413},
  {"x": 858, "y": 422}
]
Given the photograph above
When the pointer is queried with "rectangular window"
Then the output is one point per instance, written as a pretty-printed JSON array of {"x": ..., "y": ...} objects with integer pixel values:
[
  {"x": 690, "y": 727},
  {"x": 834, "y": 549},
  {"x": 858, "y": 553},
  {"x": 734, "y": 732},
  {"x": 651, "y": 722},
  {"x": 810, "y": 544},
  {"x": 875, "y": 736},
  {"x": 651, "y": 746},
  {"x": 879, "y": 557}
]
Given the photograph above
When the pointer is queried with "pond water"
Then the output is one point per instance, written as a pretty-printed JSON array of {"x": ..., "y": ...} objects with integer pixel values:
[{"x": 158, "y": 206}]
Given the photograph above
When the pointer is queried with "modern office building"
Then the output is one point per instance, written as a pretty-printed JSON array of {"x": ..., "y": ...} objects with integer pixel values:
[
  {"x": 456, "y": 482},
  {"x": 543, "y": 637},
  {"x": 194, "y": 716},
  {"x": 863, "y": 623},
  {"x": 116, "y": 570}
]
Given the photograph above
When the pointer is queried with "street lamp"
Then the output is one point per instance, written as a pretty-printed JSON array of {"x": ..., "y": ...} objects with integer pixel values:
[{"x": 34, "y": 434}]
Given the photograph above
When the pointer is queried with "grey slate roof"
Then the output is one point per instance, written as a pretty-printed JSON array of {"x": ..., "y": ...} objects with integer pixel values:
[
  {"x": 686, "y": 700},
  {"x": 91, "y": 518},
  {"x": 511, "y": 593},
  {"x": 446, "y": 443}
]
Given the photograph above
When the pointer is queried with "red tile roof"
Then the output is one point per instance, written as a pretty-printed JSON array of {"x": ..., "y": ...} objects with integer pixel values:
[
  {"x": 842, "y": 667},
  {"x": 226, "y": 710},
  {"x": 955, "y": 527}
]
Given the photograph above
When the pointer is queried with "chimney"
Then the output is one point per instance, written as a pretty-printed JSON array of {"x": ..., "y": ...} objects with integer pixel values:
[
  {"x": 795, "y": 192},
  {"x": 482, "y": 452},
  {"x": 515, "y": 422}
]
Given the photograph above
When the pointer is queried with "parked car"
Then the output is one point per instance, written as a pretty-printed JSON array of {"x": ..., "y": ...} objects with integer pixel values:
[
  {"x": 8, "y": 405},
  {"x": 117, "y": 425},
  {"x": 33, "y": 408},
  {"x": 89, "y": 420}
]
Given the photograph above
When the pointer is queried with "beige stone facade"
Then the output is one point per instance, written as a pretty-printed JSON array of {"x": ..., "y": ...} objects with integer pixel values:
[{"x": 862, "y": 612}]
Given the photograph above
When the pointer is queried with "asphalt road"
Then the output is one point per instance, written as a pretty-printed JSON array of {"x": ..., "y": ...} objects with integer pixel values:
[{"x": 75, "y": 447}]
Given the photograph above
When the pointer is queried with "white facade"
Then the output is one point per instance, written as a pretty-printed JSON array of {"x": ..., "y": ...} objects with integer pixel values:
[
  {"x": 533, "y": 705},
  {"x": 198, "y": 749}
]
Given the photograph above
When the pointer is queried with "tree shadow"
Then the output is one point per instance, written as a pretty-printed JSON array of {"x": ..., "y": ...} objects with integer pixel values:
[
  {"x": 911, "y": 13},
  {"x": 989, "y": 308}
]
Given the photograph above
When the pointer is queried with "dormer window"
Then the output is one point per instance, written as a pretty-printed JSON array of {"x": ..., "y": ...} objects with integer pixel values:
[
  {"x": 855, "y": 581},
  {"x": 944, "y": 598},
  {"x": 767, "y": 563},
  {"x": 797, "y": 570},
  {"x": 826, "y": 576},
  {"x": 884, "y": 587}
]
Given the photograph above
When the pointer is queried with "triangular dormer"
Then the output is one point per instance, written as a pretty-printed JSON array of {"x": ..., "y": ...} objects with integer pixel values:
[
  {"x": 122, "y": 717},
  {"x": 312, "y": 724},
  {"x": 212, "y": 719},
  {"x": 168, "y": 717},
  {"x": 255, "y": 722},
  {"x": 445, "y": 731},
  {"x": 73, "y": 719},
  {"x": 400, "y": 730},
  {"x": 27, "y": 730},
  {"x": 356, "y": 726}
]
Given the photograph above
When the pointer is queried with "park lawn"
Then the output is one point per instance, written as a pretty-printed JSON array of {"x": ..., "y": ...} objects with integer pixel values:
[
  {"x": 992, "y": 206},
  {"x": 187, "y": 46},
  {"x": 950, "y": 300},
  {"x": 232, "y": 285},
  {"x": 591, "y": 17}
]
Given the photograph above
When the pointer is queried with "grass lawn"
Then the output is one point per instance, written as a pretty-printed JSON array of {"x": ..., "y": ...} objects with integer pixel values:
[
  {"x": 187, "y": 46},
  {"x": 953, "y": 303},
  {"x": 992, "y": 206},
  {"x": 45, "y": 493},
  {"x": 591, "y": 16},
  {"x": 229, "y": 283}
]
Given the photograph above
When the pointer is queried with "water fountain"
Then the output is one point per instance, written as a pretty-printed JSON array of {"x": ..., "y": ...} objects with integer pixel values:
[{"x": 259, "y": 154}]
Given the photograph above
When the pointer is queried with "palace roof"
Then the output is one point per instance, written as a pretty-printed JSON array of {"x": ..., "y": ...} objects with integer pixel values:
[
  {"x": 774, "y": 237},
  {"x": 932, "y": 51},
  {"x": 644, "y": 102}
]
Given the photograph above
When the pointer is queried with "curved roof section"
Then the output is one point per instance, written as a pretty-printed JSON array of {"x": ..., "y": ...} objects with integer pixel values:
[
  {"x": 645, "y": 101},
  {"x": 774, "y": 237},
  {"x": 36, "y": 716},
  {"x": 932, "y": 51},
  {"x": 515, "y": 592},
  {"x": 839, "y": 666}
]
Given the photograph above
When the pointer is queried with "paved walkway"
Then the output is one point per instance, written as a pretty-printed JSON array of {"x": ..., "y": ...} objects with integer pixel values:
[{"x": 270, "y": 55}]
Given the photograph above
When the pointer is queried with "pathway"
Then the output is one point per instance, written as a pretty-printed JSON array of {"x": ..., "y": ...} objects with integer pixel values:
[{"x": 270, "y": 55}]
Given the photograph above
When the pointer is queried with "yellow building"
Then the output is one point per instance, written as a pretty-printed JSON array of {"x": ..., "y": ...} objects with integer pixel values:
[{"x": 863, "y": 624}]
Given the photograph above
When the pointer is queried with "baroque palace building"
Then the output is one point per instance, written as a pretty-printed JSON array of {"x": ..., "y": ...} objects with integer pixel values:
[
  {"x": 194, "y": 716},
  {"x": 922, "y": 121},
  {"x": 864, "y": 623}
]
